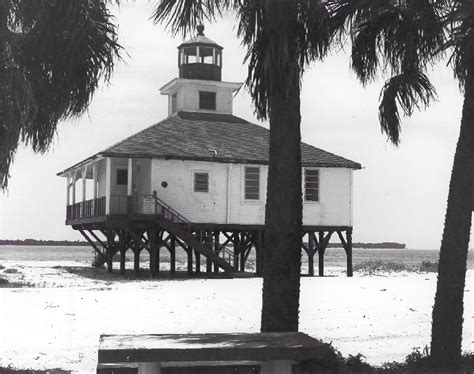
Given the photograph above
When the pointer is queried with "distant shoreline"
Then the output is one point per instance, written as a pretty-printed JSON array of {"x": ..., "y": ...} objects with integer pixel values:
[
  {"x": 383, "y": 245},
  {"x": 70, "y": 243},
  {"x": 43, "y": 243}
]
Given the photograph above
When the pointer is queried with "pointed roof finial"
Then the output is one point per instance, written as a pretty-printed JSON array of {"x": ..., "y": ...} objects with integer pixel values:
[{"x": 200, "y": 29}]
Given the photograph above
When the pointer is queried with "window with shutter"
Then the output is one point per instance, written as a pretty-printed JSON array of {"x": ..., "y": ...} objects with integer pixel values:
[
  {"x": 201, "y": 182},
  {"x": 252, "y": 183},
  {"x": 311, "y": 185}
]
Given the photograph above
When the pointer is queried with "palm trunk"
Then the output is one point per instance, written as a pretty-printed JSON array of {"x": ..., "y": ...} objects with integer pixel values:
[
  {"x": 448, "y": 308},
  {"x": 283, "y": 216}
]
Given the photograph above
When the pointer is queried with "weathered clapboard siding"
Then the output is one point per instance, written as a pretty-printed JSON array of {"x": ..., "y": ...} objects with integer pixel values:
[
  {"x": 141, "y": 179},
  {"x": 187, "y": 98},
  {"x": 195, "y": 206},
  {"x": 335, "y": 199},
  {"x": 101, "y": 176},
  {"x": 333, "y": 209}
]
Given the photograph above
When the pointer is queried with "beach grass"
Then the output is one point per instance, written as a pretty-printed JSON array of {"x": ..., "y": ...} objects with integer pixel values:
[
  {"x": 418, "y": 361},
  {"x": 371, "y": 267},
  {"x": 5, "y": 283},
  {"x": 11, "y": 370},
  {"x": 429, "y": 267},
  {"x": 378, "y": 266}
]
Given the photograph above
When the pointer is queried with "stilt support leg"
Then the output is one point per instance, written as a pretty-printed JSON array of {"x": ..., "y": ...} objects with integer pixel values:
[
  {"x": 122, "y": 260},
  {"x": 321, "y": 261},
  {"x": 259, "y": 253},
  {"x": 349, "y": 253},
  {"x": 153, "y": 250},
  {"x": 198, "y": 262},
  {"x": 310, "y": 253},
  {"x": 136, "y": 261},
  {"x": 216, "y": 250},
  {"x": 208, "y": 243},
  {"x": 189, "y": 252},
  {"x": 173, "y": 255},
  {"x": 110, "y": 251}
]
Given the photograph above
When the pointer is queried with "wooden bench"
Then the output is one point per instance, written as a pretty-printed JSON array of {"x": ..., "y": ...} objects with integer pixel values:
[{"x": 146, "y": 354}]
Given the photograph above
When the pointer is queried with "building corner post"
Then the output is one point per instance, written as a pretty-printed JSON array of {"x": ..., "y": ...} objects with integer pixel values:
[{"x": 108, "y": 184}]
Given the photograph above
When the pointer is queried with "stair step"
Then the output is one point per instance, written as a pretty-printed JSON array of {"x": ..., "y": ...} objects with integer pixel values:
[{"x": 191, "y": 240}]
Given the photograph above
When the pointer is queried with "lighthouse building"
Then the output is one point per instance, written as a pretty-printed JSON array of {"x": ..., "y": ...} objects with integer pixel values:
[{"x": 196, "y": 182}]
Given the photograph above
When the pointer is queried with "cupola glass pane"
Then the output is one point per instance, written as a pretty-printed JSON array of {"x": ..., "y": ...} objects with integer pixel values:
[
  {"x": 190, "y": 55},
  {"x": 205, "y": 54}
]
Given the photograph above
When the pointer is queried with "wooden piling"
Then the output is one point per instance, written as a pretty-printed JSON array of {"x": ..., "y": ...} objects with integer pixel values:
[
  {"x": 173, "y": 254},
  {"x": 216, "y": 249},
  {"x": 349, "y": 252},
  {"x": 311, "y": 253},
  {"x": 189, "y": 252},
  {"x": 208, "y": 241},
  {"x": 198, "y": 262},
  {"x": 136, "y": 260},
  {"x": 259, "y": 252}
]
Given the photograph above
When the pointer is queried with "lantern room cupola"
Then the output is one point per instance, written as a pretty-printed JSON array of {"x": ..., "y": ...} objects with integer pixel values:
[
  {"x": 199, "y": 87},
  {"x": 200, "y": 58}
]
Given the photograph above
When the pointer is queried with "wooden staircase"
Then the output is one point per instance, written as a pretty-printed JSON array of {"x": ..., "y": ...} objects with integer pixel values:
[
  {"x": 99, "y": 248},
  {"x": 173, "y": 222}
]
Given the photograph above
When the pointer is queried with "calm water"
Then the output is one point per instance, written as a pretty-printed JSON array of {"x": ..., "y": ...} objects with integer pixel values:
[{"x": 333, "y": 257}]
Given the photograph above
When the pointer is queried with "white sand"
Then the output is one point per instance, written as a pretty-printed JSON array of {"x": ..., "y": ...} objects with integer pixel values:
[{"x": 58, "y": 323}]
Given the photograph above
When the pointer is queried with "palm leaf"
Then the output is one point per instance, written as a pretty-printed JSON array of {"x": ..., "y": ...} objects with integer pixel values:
[
  {"x": 407, "y": 91},
  {"x": 62, "y": 49}
]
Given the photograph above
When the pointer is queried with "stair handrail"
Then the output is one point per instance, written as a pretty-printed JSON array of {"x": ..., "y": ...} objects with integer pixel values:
[
  {"x": 190, "y": 225},
  {"x": 180, "y": 217}
]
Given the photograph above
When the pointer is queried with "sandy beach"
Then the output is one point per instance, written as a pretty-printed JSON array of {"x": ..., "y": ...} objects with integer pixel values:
[{"x": 57, "y": 320}]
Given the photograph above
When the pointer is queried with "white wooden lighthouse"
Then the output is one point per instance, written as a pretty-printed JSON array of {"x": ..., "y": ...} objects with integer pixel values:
[{"x": 198, "y": 178}]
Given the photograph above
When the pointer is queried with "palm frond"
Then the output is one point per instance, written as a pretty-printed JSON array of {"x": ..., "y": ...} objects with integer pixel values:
[
  {"x": 407, "y": 91},
  {"x": 17, "y": 111},
  {"x": 182, "y": 16},
  {"x": 396, "y": 36},
  {"x": 63, "y": 50},
  {"x": 461, "y": 38}
]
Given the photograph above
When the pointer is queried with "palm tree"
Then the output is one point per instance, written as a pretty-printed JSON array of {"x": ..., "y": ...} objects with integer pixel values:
[
  {"x": 406, "y": 37},
  {"x": 282, "y": 36},
  {"x": 53, "y": 54}
]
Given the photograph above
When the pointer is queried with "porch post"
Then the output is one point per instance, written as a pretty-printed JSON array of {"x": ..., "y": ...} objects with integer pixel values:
[
  {"x": 108, "y": 184},
  {"x": 68, "y": 189},
  {"x": 129, "y": 185},
  {"x": 94, "y": 177},
  {"x": 74, "y": 187},
  {"x": 129, "y": 176},
  {"x": 84, "y": 175}
]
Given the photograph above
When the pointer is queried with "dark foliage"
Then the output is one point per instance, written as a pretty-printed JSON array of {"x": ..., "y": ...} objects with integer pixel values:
[
  {"x": 53, "y": 54},
  {"x": 400, "y": 38}
]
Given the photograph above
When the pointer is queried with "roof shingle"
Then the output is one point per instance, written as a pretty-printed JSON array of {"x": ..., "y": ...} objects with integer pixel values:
[{"x": 195, "y": 136}]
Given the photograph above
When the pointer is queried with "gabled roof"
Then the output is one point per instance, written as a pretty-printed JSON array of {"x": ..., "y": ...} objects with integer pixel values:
[{"x": 212, "y": 137}]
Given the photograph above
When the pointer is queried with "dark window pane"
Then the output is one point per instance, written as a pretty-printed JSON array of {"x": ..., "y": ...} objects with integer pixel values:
[
  {"x": 207, "y": 100},
  {"x": 206, "y": 54},
  {"x": 190, "y": 55},
  {"x": 201, "y": 182},
  {"x": 122, "y": 177}
]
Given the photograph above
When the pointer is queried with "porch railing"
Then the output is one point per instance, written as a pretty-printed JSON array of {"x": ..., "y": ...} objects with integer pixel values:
[
  {"x": 123, "y": 204},
  {"x": 86, "y": 209}
]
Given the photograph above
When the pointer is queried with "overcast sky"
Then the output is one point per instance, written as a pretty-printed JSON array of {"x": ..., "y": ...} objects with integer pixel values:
[{"x": 399, "y": 195}]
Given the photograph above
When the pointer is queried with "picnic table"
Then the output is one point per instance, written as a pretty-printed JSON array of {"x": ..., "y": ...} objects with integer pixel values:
[{"x": 274, "y": 353}]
